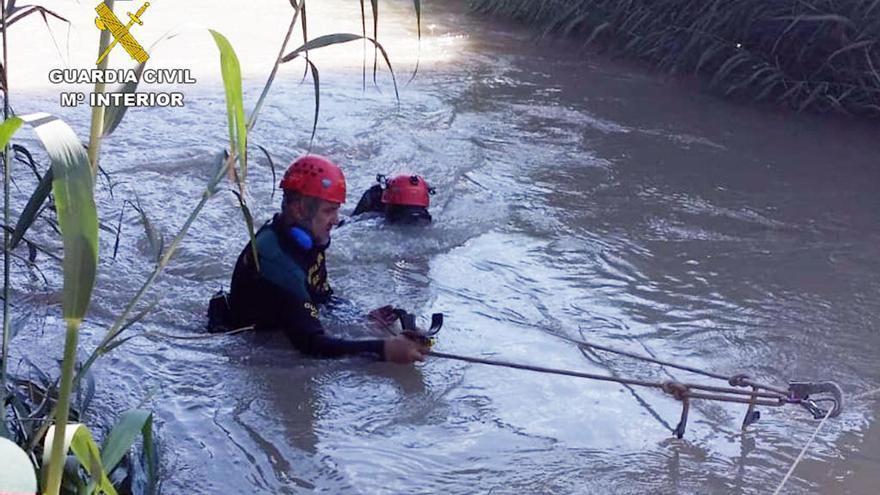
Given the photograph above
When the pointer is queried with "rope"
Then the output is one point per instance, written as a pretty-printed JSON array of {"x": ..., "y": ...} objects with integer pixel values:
[
  {"x": 736, "y": 380},
  {"x": 643, "y": 357},
  {"x": 198, "y": 337},
  {"x": 678, "y": 390},
  {"x": 803, "y": 451},
  {"x": 592, "y": 355},
  {"x": 867, "y": 394},
  {"x": 541, "y": 369}
]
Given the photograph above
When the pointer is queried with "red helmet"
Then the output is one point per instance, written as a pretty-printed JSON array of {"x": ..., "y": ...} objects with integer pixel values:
[
  {"x": 407, "y": 190},
  {"x": 316, "y": 176}
]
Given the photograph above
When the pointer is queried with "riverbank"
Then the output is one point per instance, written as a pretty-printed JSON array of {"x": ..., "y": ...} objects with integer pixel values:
[{"x": 805, "y": 55}]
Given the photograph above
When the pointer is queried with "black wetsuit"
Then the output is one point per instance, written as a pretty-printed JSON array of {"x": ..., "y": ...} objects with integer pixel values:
[
  {"x": 371, "y": 201},
  {"x": 284, "y": 294}
]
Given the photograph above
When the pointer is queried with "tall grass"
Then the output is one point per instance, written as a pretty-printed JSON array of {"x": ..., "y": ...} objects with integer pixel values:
[
  {"x": 77, "y": 215},
  {"x": 9, "y": 129},
  {"x": 96, "y": 131},
  {"x": 817, "y": 55}
]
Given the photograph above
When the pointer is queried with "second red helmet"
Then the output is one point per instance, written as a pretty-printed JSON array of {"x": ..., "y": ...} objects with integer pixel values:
[
  {"x": 315, "y": 176},
  {"x": 407, "y": 190}
]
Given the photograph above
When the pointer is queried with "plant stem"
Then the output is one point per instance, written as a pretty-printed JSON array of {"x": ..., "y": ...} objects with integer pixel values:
[
  {"x": 117, "y": 326},
  {"x": 7, "y": 177},
  {"x": 97, "y": 127},
  {"x": 56, "y": 460},
  {"x": 119, "y": 323}
]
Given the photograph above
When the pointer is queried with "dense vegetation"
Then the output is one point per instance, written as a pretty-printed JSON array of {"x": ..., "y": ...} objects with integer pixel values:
[{"x": 817, "y": 55}]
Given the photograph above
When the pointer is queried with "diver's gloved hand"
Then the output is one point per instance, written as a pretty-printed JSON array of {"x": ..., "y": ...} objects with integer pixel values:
[{"x": 404, "y": 350}]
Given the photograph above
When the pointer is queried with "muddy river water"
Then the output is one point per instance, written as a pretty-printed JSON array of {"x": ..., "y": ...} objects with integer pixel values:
[{"x": 577, "y": 196}]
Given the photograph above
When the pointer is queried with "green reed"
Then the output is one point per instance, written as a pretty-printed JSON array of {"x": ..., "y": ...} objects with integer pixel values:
[{"x": 816, "y": 55}]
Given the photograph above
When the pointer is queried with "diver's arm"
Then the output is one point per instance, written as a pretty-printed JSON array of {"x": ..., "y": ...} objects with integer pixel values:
[
  {"x": 370, "y": 201},
  {"x": 306, "y": 333},
  {"x": 304, "y": 329}
]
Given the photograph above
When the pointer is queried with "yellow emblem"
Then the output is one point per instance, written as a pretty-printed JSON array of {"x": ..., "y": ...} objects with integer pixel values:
[
  {"x": 313, "y": 311},
  {"x": 315, "y": 271},
  {"x": 107, "y": 20}
]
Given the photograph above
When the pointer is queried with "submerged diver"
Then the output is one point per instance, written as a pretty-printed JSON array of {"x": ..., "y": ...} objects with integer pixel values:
[
  {"x": 291, "y": 281},
  {"x": 404, "y": 199}
]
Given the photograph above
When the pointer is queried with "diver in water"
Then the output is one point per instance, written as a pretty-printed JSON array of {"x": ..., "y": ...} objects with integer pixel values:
[
  {"x": 284, "y": 292},
  {"x": 403, "y": 199}
]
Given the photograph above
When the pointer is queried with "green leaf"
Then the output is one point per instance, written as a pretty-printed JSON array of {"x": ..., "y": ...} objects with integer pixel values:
[
  {"x": 597, "y": 31},
  {"x": 86, "y": 451},
  {"x": 32, "y": 208},
  {"x": 755, "y": 75},
  {"x": 77, "y": 215},
  {"x": 131, "y": 424},
  {"x": 23, "y": 409},
  {"x": 151, "y": 457},
  {"x": 364, "y": 34},
  {"x": 375, "y": 6},
  {"x": 707, "y": 55},
  {"x": 851, "y": 46},
  {"x": 794, "y": 89},
  {"x": 217, "y": 172},
  {"x": 78, "y": 439},
  {"x": 7, "y": 129},
  {"x": 735, "y": 60},
  {"x": 305, "y": 33},
  {"x": 324, "y": 41},
  {"x": 28, "y": 10},
  {"x": 272, "y": 167},
  {"x": 418, "y": 6},
  {"x": 320, "y": 42},
  {"x": 113, "y": 114},
  {"x": 154, "y": 238},
  {"x": 834, "y": 18},
  {"x": 769, "y": 83},
  {"x": 317, "y": 83},
  {"x": 249, "y": 220},
  {"x": 813, "y": 94},
  {"x": 231, "y": 71},
  {"x": 335, "y": 39}
]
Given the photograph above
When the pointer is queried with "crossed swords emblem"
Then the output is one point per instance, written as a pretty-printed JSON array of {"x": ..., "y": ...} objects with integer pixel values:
[{"x": 107, "y": 20}]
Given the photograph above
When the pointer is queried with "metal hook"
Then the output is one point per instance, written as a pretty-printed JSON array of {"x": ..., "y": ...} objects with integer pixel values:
[
  {"x": 408, "y": 324},
  {"x": 436, "y": 324},
  {"x": 800, "y": 392},
  {"x": 751, "y": 414},
  {"x": 813, "y": 408},
  {"x": 680, "y": 392},
  {"x": 682, "y": 422}
]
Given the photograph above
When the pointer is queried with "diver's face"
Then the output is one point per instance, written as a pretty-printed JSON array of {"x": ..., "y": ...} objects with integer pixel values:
[{"x": 324, "y": 218}]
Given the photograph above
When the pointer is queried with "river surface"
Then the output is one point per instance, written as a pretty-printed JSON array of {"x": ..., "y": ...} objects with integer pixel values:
[{"x": 577, "y": 196}]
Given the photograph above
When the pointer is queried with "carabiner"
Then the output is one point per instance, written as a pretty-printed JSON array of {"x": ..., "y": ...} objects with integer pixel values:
[{"x": 800, "y": 392}]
